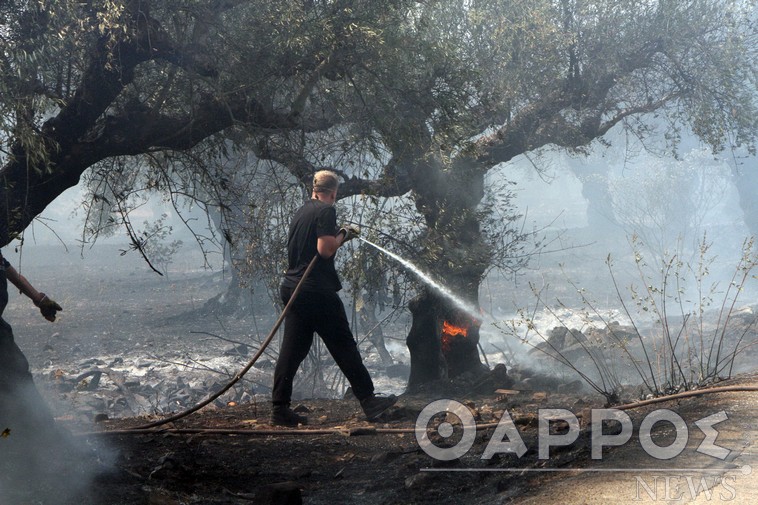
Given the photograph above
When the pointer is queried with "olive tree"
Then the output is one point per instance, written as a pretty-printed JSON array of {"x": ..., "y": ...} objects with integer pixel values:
[
  {"x": 508, "y": 78},
  {"x": 435, "y": 94}
]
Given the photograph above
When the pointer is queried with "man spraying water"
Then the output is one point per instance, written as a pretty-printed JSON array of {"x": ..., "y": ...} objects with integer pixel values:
[{"x": 318, "y": 308}]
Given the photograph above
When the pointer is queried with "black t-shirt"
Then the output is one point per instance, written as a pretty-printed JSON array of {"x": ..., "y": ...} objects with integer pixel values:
[{"x": 313, "y": 220}]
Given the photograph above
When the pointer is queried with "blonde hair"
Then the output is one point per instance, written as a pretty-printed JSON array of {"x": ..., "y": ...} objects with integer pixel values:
[{"x": 325, "y": 181}]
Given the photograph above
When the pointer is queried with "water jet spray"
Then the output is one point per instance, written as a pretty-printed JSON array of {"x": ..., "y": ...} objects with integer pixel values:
[{"x": 427, "y": 279}]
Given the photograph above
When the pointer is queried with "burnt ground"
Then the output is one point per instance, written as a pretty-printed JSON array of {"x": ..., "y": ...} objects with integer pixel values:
[
  {"x": 231, "y": 456},
  {"x": 228, "y": 454}
]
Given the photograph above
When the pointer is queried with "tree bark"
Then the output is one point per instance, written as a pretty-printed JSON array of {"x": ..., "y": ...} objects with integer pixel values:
[
  {"x": 423, "y": 341},
  {"x": 431, "y": 360}
]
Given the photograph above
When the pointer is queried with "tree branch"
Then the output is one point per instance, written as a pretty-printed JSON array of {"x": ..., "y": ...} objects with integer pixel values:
[{"x": 631, "y": 111}]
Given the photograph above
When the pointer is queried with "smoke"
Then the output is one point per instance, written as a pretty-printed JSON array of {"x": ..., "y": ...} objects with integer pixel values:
[
  {"x": 40, "y": 462},
  {"x": 635, "y": 208}
]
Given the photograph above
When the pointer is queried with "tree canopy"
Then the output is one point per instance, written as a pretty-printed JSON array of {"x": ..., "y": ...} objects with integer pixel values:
[
  {"x": 425, "y": 85},
  {"x": 415, "y": 98}
]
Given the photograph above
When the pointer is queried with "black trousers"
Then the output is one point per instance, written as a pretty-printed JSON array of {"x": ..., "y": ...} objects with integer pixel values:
[
  {"x": 22, "y": 408},
  {"x": 322, "y": 313}
]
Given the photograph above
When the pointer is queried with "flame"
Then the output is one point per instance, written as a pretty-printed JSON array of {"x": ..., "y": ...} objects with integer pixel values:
[
  {"x": 450, "y": 332},
  {"x": 453, "y": 330}
]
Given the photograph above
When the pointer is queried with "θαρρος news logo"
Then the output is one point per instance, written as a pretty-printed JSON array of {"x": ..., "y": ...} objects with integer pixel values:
[{"x": 507, "y": 439}]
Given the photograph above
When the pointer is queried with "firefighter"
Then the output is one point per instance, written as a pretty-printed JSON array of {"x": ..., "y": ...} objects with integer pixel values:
[{"x": 318, "y": 308}]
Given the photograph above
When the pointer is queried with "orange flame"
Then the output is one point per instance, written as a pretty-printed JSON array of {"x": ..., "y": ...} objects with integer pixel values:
[{"x": 451, "y": 331}]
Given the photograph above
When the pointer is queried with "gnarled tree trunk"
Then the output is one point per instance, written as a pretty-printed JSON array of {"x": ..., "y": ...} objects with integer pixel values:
[
  {"x": 458, "y": 258},
  {"x": 435, "y": 353}
]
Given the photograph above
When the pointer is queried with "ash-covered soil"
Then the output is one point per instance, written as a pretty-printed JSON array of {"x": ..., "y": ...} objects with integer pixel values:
[
  {"x": 232, "y": 455},
  {"x": 142, "y": 331}
]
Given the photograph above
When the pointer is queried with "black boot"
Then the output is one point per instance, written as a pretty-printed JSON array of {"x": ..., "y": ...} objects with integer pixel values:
[
  {"x": 283, "y": 415},
  {"x": 374, "y": 406}
]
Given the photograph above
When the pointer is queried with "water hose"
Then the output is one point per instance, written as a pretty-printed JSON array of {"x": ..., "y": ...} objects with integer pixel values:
[
  {"x": 139, "y": 430},
  {"x": 249, "y": 365}
]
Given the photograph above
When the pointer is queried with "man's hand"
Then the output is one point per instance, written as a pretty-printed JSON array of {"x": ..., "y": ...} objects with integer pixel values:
[
  {"x": 47, "y": 307},
  {"x": 350, "y": 232}
]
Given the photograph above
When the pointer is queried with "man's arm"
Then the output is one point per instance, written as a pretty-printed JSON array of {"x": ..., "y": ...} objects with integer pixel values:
[
  {"x": 47, "y": 307},
  {"x": 23, "y": 284},
  {"x": 327, "y": 244}
]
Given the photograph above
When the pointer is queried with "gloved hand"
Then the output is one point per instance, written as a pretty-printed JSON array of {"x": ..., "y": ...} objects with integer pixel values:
[
  {"x": 47, "y": 307},
  {"x": 350, "y": 232}
]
